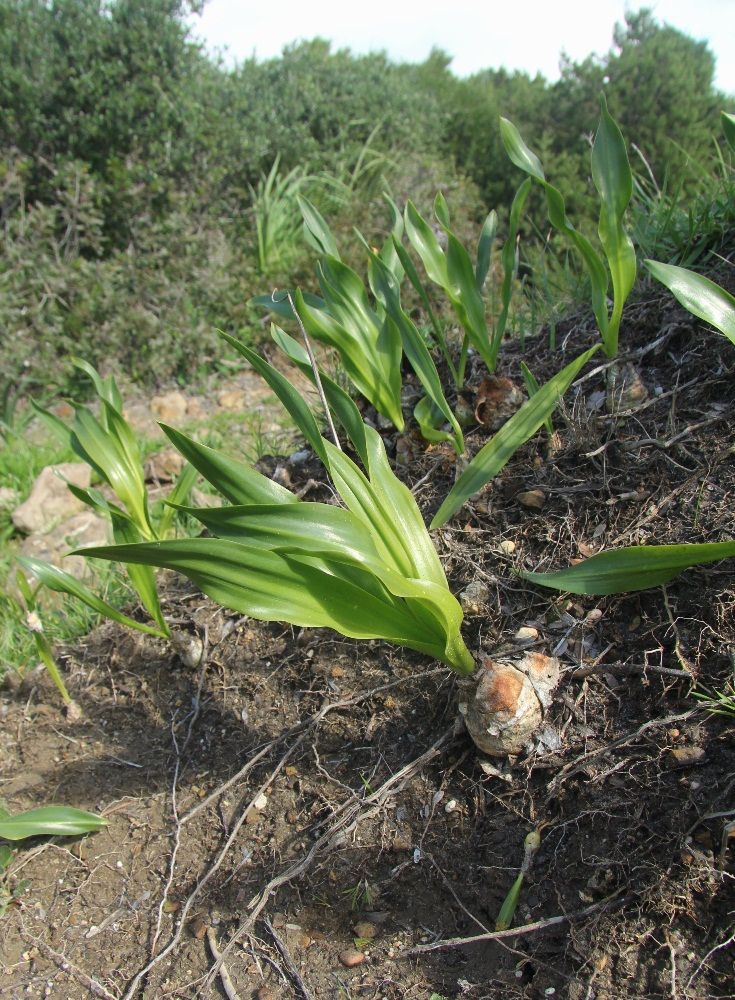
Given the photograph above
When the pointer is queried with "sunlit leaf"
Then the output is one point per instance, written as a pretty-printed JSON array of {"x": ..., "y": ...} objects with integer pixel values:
[
  {"x": 50, "y": 821},
  {"x": 638, "y": 567},
  {"x": 498, "y": 451},
  {"x": 700, "y": 296}
]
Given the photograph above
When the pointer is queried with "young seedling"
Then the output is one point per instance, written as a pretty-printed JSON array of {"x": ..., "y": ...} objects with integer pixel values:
[
  {"x": 614, "y": 182},
  {"x": 108, "y": 444}
]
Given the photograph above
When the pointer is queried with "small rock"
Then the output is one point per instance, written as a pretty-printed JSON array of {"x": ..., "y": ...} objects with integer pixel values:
[
  {"x": 365, "y": 930},
  {"x": 198, "y": 927},
  {"x": 687, "y": 755},
  {"x": 507, "y": 547},
  {"x": 260, "y": 802},
  {"x": 450, "y": 806},
  {"x": 526, "y": 633},
  {"x": 402, "y": 842},
  {"x": 351, "y": 957},
  {"x": 164, "y": 466},
  {"x": 474, "y": 597},
  {"x": 532, "y": 499},
  {"x": 169, "y": 407},
  {"x": 232, "y": 400},
  {"x": 79, "y": 531},
  {"x": 50, "y": 500}
]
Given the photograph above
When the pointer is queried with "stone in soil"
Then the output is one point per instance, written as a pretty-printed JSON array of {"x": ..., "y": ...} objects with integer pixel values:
[
  {"x": 51, "y": 501},
  {"x": 351, "y": 957}
]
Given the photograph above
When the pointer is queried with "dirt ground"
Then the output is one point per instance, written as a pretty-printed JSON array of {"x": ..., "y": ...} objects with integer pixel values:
[{"x": 308, "y": 808}]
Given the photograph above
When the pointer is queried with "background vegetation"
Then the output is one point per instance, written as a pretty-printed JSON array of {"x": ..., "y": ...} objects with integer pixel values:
[{"x": 135, "y": 203}]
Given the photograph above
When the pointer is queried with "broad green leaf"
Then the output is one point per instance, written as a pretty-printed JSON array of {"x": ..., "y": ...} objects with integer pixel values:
[
  {"x": 414, "y": 347},
  {"x": 112, "y": 454},
  {"x": 316, "y": 528},
  {"x": 106, "y": 388},
  {"x": 142, "y": 577},
  {"x": 178, "y": 495},
  {"x": 622, "y": 571},
  {"x": 53, "y": 423},
  {"x": 702, "y": 297},
  {"x": 413, "y": 277},
  {"x": 302, "y": 590},
  {"x": 316, "y": 230},
  {"x": 524, "y": 158},
  {"x": 236, "y": 481},
  {"x": 339, "y": 401},
  {"x": 614, "y": 182},
  {"x": 50, "y": 821},
  {"x": 498, "y": 451},
  {"x": 63, "y": 583},
  {"x": 453, "y": 272},
  {"x": 279, "y": 305},
  {"x": 46, "y": 655},
  {"x": 508, "y": 260},
  {"x": 369, "y": 347},
  {"x": 430, "y": 420},
  {"x": 425, "y": 243},
  {"x": 510, "y": 905},
  {"x": 291, "y": 399},
  {"x": 532, "y": 387},
  {"x": 518, "y": 152},
  {"x": 728, "y": 127},
  {"x": 485, "y": 248}
]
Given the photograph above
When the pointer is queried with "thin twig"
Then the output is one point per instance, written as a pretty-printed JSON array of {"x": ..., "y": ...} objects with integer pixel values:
[
  {"x": 288, "y": 961},
  {"x": 314, "y": 368},
  {"x": 224, "y": 975},
  {"x": 95, "y": 988},
  {"x": 573, "y": 766},
  {"x": 359, "y": 812},
  {"x": 628, "y": 668},
  {"x": 537, "y": 925}
]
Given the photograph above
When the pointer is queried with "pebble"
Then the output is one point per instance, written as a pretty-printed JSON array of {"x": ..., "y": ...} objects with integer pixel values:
[
  {"x": 351, "y": 957},
  {"x": 687, "y": 755},
  {"x": 507, "y": 547},
  {"x": 526, "y": 633},
  {"x": 532, "y": 499},
  {"x": 261, "y": 801},
  {"x": 450, "y": 806},
  {"x": 365, "y": 930}
]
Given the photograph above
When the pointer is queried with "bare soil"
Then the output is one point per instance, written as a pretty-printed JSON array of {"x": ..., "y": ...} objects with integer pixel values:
[{"x": 300, "y": 795}]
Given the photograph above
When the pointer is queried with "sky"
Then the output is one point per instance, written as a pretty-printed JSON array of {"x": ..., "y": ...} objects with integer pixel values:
[{"x": 526, "y": 35}]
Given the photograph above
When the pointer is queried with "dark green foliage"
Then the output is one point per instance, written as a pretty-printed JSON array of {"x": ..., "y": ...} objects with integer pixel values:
[{"x": 129, "y": 158}]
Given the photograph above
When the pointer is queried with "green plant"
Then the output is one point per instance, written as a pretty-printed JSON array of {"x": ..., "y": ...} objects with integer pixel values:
[
  {"x": 700, "y": 296},
  {"x": 462, "y": 283},
  {"x": 48, "y": 821},
  {"x": 8, "y": 894},
  {"x": 361, "y": 895},
  {"x": 636, "y": 567},
  {"x": 531, "y": 845},
  {"x": 367, "y": 571},
  {"x": 369, "y": 337},
  {"x": 720, "y": 702},
  {"x": 277, "y": 216},
  {"x": 109, "y": 446},
  {"x": 613, "y": 179},
  {"x": 498, "y": 451}
]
